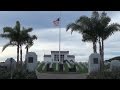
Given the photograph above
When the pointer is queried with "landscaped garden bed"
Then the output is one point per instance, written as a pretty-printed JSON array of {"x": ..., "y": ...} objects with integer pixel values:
[{"x": 66, "y": 68}]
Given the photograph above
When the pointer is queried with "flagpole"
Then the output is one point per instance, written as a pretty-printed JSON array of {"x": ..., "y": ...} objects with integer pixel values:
[{"x": 59, "y": 36}]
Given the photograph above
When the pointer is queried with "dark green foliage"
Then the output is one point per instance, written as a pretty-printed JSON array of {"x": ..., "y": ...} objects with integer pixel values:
[
  {"x": 24, "y": 75},
  {"x": 61, "y": 67},
  {"x": 104, "y": 75},
  {"x": 40, "y": 67},
  {"x": 64, "y": 68},
  {"x": 21, "y": 74},
  {"x": 73, "y": 69},
  {"x": 4, "y": 73}
]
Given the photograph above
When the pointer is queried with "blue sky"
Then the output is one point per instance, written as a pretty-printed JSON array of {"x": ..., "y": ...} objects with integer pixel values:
[
  {"x": 41, "y": 22},
  {"x": 38, "y": 19}
]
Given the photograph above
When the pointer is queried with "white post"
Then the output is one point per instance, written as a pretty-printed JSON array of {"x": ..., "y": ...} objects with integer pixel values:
[{"x": 59, "y": 35}]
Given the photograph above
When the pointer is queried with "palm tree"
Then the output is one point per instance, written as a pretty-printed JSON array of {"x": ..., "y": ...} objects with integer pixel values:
[
  {"x": 95, "y": 29},
  {"x": 92, "y": 38},
  {"x": 29, "y": 42},
  {"x": 85, "y": 26},
  {"x": 13, "y": 34},
  {"x": 24, "y": 37},
  {"x": 17, "y": 37},
  {"x": 104, "y": 30}
]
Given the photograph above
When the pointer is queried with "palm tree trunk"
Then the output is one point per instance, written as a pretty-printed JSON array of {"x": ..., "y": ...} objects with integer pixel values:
[
  {"x": 21, "y": 54},
  {"x": 26, "y": 54},
  {"x": 102, "y": 56},
  {"x": 100, "y": 47},
  {"x": 26, "y": 50},
  {"x": 102, "y": 51},
  {"x": 94, "y": 47},
  {"x": 17, "y": 55}
]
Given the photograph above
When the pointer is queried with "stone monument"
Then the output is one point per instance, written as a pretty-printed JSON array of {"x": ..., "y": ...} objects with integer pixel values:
[
  {"x": 10, "y": 63},
  {"x": 31, "y": 61},
  {"x": 94, "y": 63}
]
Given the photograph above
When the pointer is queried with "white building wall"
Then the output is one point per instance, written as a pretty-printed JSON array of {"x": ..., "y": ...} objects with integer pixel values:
[
  {"x": 53, "y": 54},
  {"x": 57, "y": 53},
  {"x": 47, "y": 59},
  {"x": 52, "y": 57},
  {"x": 65, "y": 56},
  {"x": 70, "y": 58}
]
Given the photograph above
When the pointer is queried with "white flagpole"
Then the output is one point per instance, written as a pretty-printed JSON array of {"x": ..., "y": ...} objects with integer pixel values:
[{"x": 59, "y": 35}]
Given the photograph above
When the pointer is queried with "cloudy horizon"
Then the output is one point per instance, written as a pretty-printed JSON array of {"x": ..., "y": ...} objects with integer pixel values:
[{"x": 41, "y": 22}]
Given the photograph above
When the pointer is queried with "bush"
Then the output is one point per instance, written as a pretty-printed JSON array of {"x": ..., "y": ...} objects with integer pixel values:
[
  {"x": 104, "y": 75},
  {"x": 24, "y": 75},
  {"x": 4, "y": 73},
  {"x": 17, "y": 74}
]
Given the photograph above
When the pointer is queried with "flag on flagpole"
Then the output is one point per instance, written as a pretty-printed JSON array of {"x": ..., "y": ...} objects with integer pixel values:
[{"x": 56, "y": 22}]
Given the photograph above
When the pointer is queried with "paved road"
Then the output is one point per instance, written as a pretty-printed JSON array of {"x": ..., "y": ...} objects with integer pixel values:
[{"x": 60, "y": 76}]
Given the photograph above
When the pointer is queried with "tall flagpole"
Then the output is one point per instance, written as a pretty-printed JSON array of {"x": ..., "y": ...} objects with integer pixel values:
[{"x": 59, "y": 35}]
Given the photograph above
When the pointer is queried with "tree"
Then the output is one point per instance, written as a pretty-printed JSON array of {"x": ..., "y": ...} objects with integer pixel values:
[
  {"x": 96, "y": 28},
  {"x": 29, "y": 42},
  {"x": 13, "y": 34},
  {"x": 24, "y": 34},
  {"x": 17, "y": 37},
  {"x": 104, "y": 30},
  {"x": 85, "y": 26}
]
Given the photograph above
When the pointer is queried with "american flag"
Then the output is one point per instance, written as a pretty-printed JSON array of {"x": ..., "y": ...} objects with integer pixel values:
[{"x": 56, "y": 22}]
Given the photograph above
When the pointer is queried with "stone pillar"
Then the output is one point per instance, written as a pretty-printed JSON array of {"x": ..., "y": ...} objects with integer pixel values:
[
  {"x": 31, "y": 61},
  {"x": 94, "y": 63}
]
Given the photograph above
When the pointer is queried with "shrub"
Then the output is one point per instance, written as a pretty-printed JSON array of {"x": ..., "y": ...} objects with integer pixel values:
[
  {"x": 4, "y": 73},
  {"x": 104, "y": 75},
  {"x": 24, "y": 75}
]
